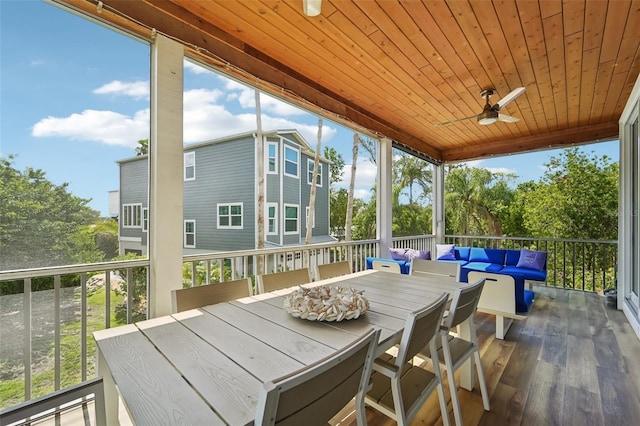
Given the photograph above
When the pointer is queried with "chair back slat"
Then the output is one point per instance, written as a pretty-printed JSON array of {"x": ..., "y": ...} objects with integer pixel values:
[
  {"x": 464, "y": 304},
  {"x": 387, "y": 266},
  {"x": 318, "y": 392},
  {"x": 433, "y": 267},
  {"x": 422, "y": 326},
  {"x": 279, "y": 280},
  {"x": 195, "y": 297},
  {"x": 335, "y": 269}
]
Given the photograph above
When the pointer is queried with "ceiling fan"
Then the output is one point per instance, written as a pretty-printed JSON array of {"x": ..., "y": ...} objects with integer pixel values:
[{"x": 490, "y": 114}]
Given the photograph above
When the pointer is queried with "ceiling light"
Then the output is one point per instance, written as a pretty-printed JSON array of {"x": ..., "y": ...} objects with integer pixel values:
[
  {"x": 311, "y": 7},
  {"x": 487, "y": 116}
]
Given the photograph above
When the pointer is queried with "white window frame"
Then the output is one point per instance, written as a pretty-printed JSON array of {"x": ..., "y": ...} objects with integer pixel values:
[
  {"x": 310, "y": 163},
  {"x": 297, "y": 219},
  {"x": 189, "y": 161},
  {"x": 286, "y": 161},
  {"x": 185, "y": 233},
  {"x": 275, "y": 158},
  {"x": 230, "y": 206},
  {"x": 145, "y": 219},
  {"x": 273, "y": 219},
  {"x": 134, "y": 218},
  {"x": 307, "y": 210}
]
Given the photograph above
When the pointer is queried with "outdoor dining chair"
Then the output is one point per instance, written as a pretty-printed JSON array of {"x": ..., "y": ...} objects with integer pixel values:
[
  {"x": 401, "y": 388},
  {"x": 279, "y": 280},
  {"x": 316, "y": 393},
  {"x": 434, "y": 268},
  {"x": 334, "y": 269},
  {"x": 196, "y": 297},
  {"x": 455, "y": 350}
]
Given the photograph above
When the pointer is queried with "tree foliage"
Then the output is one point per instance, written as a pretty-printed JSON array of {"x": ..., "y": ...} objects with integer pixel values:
[
  {"x": 42, "y": 224},
  {"x": 476, "y": 200},
  {"x": 576, "y": 198}
]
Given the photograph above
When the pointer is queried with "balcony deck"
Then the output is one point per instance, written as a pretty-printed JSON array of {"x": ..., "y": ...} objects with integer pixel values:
[{"x": 573, "y": 361}]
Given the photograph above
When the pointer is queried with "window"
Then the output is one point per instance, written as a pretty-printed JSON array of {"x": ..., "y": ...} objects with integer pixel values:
[
  {"x": 189, "y": 165},
  {"x": 131, "y": 215},
  {"x": 290, "y": 219},
  {"x": 310, "y": 164},
  {"x": 272, "y": 218},
  {"x": 190, "y": 233},
  {"x": 291, "y": 161},
  {"x": 272, "y": 157},
  {"x": 230, "y": 216},
  {"x": 307, "y": 216},
  {"x": 145, "y": 220}
]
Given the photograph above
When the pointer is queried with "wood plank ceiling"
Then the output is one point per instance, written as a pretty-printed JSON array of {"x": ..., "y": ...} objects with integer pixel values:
[{"x": 397, "y": 68}]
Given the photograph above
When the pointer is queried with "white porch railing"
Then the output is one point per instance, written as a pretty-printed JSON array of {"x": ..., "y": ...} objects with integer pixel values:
[{"x": 46, "y": 335}]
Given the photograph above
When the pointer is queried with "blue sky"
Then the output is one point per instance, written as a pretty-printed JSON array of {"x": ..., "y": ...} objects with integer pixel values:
[{"x": 74, "y": 99}]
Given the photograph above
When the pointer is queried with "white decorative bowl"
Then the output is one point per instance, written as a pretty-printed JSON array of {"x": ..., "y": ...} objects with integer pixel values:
[{"x": 326, "y": 303}]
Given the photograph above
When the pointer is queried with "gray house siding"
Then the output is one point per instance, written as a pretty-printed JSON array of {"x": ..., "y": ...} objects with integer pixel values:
[
  {"x": 225, "y": 174},
  {"x": 134, "y": 178}
]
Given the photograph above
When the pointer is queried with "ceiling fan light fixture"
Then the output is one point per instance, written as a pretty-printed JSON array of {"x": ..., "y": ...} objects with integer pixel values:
[
  {"x": 312, "y": 7},
  {"x": 487, "y": 117}
]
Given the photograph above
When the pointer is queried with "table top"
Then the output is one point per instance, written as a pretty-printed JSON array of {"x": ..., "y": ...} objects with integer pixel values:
[{"x": 207, "y": 366}]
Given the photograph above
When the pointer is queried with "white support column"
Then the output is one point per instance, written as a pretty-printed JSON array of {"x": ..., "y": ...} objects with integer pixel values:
[
  {"x": 384, "y": 191},
  {"x": 438, "y": 203},
  {"x": 166, "y": 185}
]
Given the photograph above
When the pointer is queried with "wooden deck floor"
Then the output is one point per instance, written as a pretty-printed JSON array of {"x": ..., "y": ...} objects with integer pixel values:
[{"x": 572, "y": 362}]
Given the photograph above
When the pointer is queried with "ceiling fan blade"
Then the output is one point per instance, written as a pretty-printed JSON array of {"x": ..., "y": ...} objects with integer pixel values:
[
  {"x": 507, "y": 118},
  {"x": 507, "y": 99},
  {"x": 446, "y": 123}
]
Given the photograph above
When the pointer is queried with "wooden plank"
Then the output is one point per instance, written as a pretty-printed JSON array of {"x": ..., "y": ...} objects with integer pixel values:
[
  {"x": 581, "y": 364},
  {"x": 582, "y": 407},
  {"x": 263, "y": 361},
  {"x": 318, "y": 330},
  {"x": 218, "y": 379},
  {"x": 553, "y": 35},
  {"x": 545, "y": 404},
  {"x": 143, "y": 377},
  {"x": 618, "y": 396},
  {"x": 297, "y": 346},
  {"x": 573, "y": 58}
]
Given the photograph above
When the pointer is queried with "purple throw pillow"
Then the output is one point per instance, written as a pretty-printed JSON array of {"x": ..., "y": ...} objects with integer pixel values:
[
  {"x": 398, "y": 253},
  {"x": 418, "y": 254},
  {"x": 445, "y": 252},
  {"x": 532, "y": 259}
]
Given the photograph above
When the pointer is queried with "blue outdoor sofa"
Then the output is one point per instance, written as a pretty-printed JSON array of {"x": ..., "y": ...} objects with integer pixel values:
[{"x": 523, "y": 265}]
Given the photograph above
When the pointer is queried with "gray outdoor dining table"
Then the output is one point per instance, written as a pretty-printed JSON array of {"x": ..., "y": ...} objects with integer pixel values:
[{"x": 207, "y": 365}]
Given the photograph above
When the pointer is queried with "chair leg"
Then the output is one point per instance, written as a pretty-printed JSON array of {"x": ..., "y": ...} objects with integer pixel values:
[
  {"x": 440, "y": 387},
  {"x": 483, "y": 384},
  {"x": 457, "y": 413},
  {"x": 361, "y": 415}
]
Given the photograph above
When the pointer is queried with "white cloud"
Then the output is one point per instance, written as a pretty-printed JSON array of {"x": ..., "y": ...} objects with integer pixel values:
[
  {"x": 365, "y": 178},
  {"x": 205, "y": 117},
  {"x": 136, "y": 89},
  {"x": 478, "y": 164},
  {"x": 106, "y": 127}
]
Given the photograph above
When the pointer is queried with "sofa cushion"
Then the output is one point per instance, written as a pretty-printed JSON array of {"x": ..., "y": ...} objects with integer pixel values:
[
  {"x": 532, "y": 259},
  {"x": 418, "y": 254},
  {"x": 478, "y": 266},
  {"x": 462, "y": 253},
  {"x": 512, "y": 257},
  {"x": 487, "y": 255},
  {"x": 398, "y": 253},
  {"x": 527, "y": 274},
  {"x": 445, "y": 252}
]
